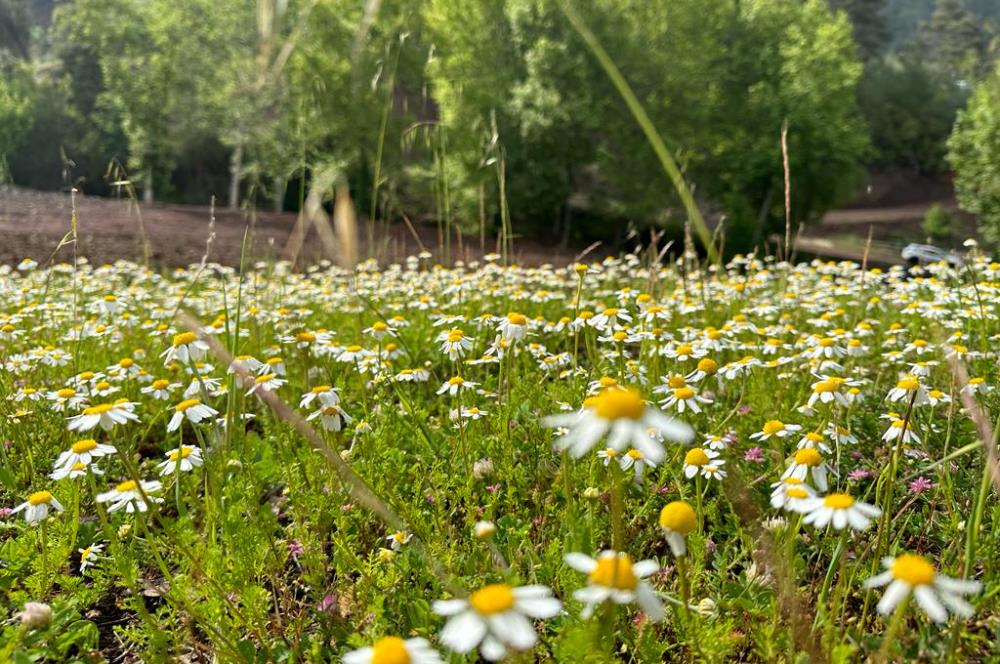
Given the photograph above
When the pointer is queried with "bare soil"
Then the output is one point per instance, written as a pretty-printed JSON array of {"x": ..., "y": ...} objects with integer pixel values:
[{"x": 34, "y": 223}]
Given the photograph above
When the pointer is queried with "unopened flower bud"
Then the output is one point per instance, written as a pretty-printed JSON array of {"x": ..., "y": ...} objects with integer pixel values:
[
  {"x": 484, "y": 530},
  {"x": 591, "y": 493},
  {"x": 482, "y": 468},
  {"x": 36, "y": 615}
]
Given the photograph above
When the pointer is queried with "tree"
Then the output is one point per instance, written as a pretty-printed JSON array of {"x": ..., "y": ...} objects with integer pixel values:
[
  {"x": 910, "y": 110},
  {"x": 871, "y": 32},
  {"x": 953, "y": 41},
  {"x": 567, "y": 137},
  {"x": 151, "y": 56},
  {"x": 16, "y": 109},
  {"x": 974, "y": 154}
]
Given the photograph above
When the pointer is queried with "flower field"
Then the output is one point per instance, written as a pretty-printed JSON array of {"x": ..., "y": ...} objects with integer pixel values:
[{"x": 613, "y": 461}]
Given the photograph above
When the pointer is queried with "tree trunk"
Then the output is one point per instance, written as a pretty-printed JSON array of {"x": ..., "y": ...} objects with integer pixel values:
[
  {"x": 147, "y": 187},
  {"x": 235, "y": 173},
  {"x": 279, "y": 193}
]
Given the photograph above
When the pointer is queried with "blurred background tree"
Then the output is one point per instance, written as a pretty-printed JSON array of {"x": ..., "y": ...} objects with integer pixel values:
[{"x": 456, "y": 110}]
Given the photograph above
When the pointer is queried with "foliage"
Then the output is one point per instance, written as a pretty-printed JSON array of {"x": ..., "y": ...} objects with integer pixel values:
[
  {"x": 721, "y": 112},
  {"x": 910, "y": 112},
  {"x": 17, "y": 107},
  {"x": 974, "y": 153},
  {"x": 937, "y": 223}
]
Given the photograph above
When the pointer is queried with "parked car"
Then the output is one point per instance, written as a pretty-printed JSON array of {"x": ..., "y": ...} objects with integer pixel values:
[{"x": 926, "y": 254}]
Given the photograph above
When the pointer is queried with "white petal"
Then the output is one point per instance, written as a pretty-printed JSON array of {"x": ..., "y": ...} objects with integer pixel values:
[
  {"x": 892, "y": 596},
  {"x": 539, "y": 607},
  {"x": 580, "y": 562},
  {"x": 463, "y": 632},
  {"x": 650, "y": 602},
  {"x": 360, "y": 656},
  {"x": 449, "y": 607},
  {"x": 928, "y": 601},
  {"x": 513, "y": 629}
]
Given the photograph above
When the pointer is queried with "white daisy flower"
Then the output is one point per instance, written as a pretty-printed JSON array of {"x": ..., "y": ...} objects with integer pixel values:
[
  {"x": 792, "y": 494},
  {"x": 128, "y": 495},
  {"x": 808, "y": 462},
  {"x": 89, "y": 556},
  {"x": 839, "y": 510},
  {"x": 513, "y": 327},
  {"x": 908, "y": 387},
  {"x": 160, "y": 389},
  {"x": 105, "y": 415},
  {"x": 775, "y": 428},
  {"x": 36, "y": 507},
  {"x": 394, "y": 650},
  {"x": 327, "y": 396},
  {"x": 454, "y": 384},
  {"x": 331, "y": 417},
  {"x": 192, "y": 410},
  {"x": 678, "y": 520},
  {"x": 269, "y": 382},
  {"x": 186, "y": 348},
  {"x": 936, "y": 593},
  {"x": 187, "y": 457},
  {"x": 613, "y": 576},
  {"x": 625, "y": 417},
  {"x": 496, "y": 618},
  {"x": 83, "y": 451},
  {"x": 398, "y": 539}
]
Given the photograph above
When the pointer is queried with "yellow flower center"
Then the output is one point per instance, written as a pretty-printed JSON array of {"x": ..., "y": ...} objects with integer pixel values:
[
  {"x": 614, "y": 571},
  {"x": 66, "y": 393},
  {"x": 635, "y": 454},
  {"x": 611, "y": 312},
  {"x": 319, "y": 389},
  {"x": 838, "y": 501},
  {"x": 264, "y": 378},
  {"x": 678, "y": 517},
  {"x": 796, "y": 492},
  {"x": 184, "y": 453},
  {"x": 620, "y": 336},
  {"x": 99, "y": 409},
  {"x": 708, "y": 365},
  {"x": 808, "y": 456},
  {"x": 676, "y": 381},
  {"x": 516, "y": 319},
  {"x": 683, "y": 393},
  {"x": 826, "y": 386},
  {"x": 85, "y": 445},
  {"x": 305, "y": 337},
  {"x": 607, "y": 381},
  {"x": 456, "y": 380},
  {"x": 685, "y": 349},
  {"x": 491, "y": 599},
  {"x": 127, "y": 485},
  {"x": 913, "y": 569},
  {"x": 908, "y": 383},
  {"x": 615, "y": 404},
  {"x": 826, "y": 342},
  {"x": 160, "y": 384},
  {"x": 103, "y": 385},
  {"x": 814, "y": 437},
  {"x": 187, "y": 403},
  {"x": 390, "y": 650},
  {"x": 39, "y": 498},
  {"x": 354, "y": 349},
  {"x": 696, "y": 457},
  {"x": 185, "y": 338},
  {"x": 772, "y": 427},
  {"x": 86, "y": 375},
  {"x": 126, "y": 362}
]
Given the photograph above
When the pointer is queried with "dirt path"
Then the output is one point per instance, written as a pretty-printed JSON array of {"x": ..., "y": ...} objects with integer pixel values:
[{"x": 32, "y": 224}]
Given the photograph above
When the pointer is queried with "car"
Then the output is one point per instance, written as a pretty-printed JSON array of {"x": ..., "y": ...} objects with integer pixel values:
[{"x": 926, "y": 254}]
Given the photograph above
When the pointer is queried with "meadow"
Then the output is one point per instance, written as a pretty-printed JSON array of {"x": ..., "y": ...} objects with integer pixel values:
[{"x": 619, "y": 460}]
